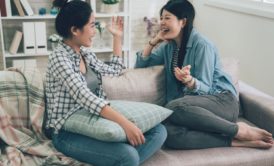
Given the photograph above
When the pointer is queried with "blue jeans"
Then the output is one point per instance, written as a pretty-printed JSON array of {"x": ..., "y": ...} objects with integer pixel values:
[{"x": 100, "y": 153}]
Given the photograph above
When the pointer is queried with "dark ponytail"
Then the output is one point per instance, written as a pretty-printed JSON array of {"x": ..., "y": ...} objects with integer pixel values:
[
  {"x": 73, "y": 13},
  {"x": 182, "y": 9}
]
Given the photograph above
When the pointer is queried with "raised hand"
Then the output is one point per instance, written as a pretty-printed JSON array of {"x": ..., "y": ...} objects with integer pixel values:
[
  {"x": 116, "y": 28},
  {"x": 157, "y": 39}
]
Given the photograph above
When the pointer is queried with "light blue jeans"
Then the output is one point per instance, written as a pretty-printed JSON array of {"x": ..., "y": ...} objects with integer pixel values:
[{"x": 101, "y": 153}]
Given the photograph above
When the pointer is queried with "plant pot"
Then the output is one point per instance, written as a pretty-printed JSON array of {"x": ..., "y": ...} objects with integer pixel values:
[{"x": 110, "y": 8}]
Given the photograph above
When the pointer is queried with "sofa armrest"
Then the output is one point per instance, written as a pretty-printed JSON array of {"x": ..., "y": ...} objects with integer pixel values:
[{"x": 257, "y": 107}]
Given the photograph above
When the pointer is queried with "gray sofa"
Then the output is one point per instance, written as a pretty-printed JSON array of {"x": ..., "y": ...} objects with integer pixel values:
[
  {"x": 22, "y": 142},
  {"x": 256, "y": 108}
]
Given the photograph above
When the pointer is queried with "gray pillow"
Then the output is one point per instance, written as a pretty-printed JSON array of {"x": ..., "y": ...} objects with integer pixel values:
[{"x": 144, "y": 115}]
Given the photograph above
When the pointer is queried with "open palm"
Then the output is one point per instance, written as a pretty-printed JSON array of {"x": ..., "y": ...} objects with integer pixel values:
[{"x": 117, "y": 27}]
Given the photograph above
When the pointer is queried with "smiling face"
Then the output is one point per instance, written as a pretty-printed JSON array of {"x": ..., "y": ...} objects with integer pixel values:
[
  {"x": 83, "y": 36},
  {"x": 171, "y": 27}
]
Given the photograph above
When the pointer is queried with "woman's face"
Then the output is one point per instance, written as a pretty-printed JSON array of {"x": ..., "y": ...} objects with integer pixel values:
[
  {"x": 170, "y": 26},
  {"x": 85, "y": 35}
]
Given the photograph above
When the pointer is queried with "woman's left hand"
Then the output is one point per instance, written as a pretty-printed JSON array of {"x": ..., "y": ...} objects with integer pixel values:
[
  {"x": 183, "y": 74},
  {"x": 117, "y": 27}
]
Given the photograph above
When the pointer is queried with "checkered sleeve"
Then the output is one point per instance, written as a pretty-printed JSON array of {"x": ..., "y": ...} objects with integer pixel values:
[
  {"x": 62, "y": 68},
  {"x": 113, "y": 68}
]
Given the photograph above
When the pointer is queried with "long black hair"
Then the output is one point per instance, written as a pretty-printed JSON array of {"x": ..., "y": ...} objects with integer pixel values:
[
  {"x": 182, "y": 9},
  {"x": 73, "y": 13}
]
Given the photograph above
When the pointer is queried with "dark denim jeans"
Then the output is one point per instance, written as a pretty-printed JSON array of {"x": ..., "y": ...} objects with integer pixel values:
[
  {"x": 101, "y": 153},
  {"x": 203, "y": 121}
]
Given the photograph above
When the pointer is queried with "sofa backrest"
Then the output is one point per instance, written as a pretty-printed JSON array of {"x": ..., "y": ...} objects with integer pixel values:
[
  {"x": 148, "y": 84},
  {"x": 144, "y": 84}
]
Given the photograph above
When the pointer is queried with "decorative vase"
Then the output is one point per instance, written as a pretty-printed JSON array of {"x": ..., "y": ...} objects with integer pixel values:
[{"x": 110, "y": 8}]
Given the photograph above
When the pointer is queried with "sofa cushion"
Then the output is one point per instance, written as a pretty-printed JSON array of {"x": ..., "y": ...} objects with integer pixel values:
[
  {"x": 144, "y": 115},
  {"x": 225, "y": 156},
  {"x": 143, "y": 84}
]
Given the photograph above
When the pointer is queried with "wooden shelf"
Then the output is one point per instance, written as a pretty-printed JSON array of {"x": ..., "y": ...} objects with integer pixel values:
[
  {"x": 105, "y": 15},
  {"x": 22, "y": 55},
  {"x": 29, "y": 17},
  {"x": 19, "y": 55}
]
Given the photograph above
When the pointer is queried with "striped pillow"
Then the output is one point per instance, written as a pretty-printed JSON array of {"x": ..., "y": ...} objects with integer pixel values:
[{"x": 144, "y": 115}]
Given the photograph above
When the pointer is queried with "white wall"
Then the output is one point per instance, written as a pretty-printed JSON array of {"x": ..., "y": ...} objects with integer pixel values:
[
  {"x": 247, "y": 37},
  {"x": 140, "y": 9}
]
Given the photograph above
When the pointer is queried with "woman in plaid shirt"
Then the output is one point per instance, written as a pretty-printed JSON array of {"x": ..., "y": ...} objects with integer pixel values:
[{"x": 73, "y": 83}]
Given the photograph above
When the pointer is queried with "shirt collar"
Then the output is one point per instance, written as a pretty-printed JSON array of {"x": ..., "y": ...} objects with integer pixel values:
[
  {"x": 191, "y": 38},
  {"x": 72, "y": 52}
]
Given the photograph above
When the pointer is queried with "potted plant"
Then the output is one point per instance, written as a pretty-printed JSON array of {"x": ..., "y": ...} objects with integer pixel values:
[
  {"x": 110, "y": 6},
  {"x": 99, "y": 41},
  {"x": 100, "y": 26},
  {"x": 54, "y": 39}
]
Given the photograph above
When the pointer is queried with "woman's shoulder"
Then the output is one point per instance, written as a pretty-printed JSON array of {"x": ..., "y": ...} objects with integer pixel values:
[
  {"x": 58, "y": 51},
  {"x": 199, "y": 40}
]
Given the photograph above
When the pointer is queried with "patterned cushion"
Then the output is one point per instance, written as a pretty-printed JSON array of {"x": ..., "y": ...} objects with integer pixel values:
[{"x": 144, "y": 115}]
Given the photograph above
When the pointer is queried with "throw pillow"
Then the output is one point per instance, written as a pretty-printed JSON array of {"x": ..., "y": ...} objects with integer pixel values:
[
  {"x": 144, "y": 115},
  {"x": 142, "y": 84}
]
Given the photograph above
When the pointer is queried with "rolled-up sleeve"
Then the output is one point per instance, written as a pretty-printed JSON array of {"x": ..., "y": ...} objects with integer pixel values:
[{"x": 155, "y": 58}]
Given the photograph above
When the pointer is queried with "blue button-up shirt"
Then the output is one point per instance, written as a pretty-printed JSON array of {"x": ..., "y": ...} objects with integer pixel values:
[{"x": 206, "y": 67}]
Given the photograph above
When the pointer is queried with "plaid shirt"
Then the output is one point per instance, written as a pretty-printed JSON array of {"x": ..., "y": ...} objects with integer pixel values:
[{"x": 66, "y": 87}]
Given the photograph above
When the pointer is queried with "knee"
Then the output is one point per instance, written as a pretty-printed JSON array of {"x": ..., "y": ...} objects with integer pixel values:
[
  {"x": 130, "y": 157},
  {"x": 176, "y": 137},
  {"x": 177, "y": 104},
  {"x": 162, "y": 133}
]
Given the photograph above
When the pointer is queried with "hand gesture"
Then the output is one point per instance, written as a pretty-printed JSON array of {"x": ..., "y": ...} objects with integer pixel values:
[
  {"x": 117, "y": 27},
  {"x": 134, "y": 134},
  {"x": 157, "y": 39},
  {"x": 160, "y": 36},
  {"x": 183, "y": 74}
]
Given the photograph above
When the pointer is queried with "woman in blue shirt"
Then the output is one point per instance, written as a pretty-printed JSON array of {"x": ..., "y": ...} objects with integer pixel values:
[{"x": 202, "y": 96}]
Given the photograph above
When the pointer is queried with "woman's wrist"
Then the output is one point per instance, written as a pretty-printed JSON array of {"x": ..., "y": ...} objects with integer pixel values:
[
  {"x": 153, "y": 42},
  {"x": 117, "y": 38},
  {"x": 190, "y": 84}
]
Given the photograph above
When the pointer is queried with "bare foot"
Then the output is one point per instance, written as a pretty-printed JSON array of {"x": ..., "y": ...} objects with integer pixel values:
[
  {"x": 249, "y": 133},
  {"x": 252, "y": 144}
]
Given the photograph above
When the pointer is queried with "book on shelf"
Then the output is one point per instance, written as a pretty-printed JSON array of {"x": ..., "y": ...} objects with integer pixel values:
[
  {"x": 8, "y": 8},
  {"x": 29, "y": 37},
  {"x": 40, "y": 37},
  {"x": 15, "y": 42},
  {"x": 27, "y": 7},
  {"x": 13, "y": 9},
  {"x": 19, "y": 7},
  {"x": 3, "y": 8}
]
